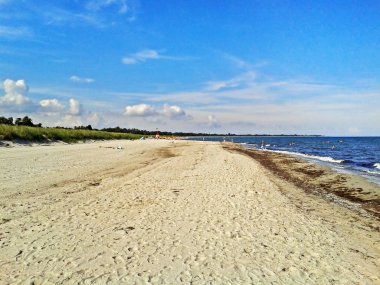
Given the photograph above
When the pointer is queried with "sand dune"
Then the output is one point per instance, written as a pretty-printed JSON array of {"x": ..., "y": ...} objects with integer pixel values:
[{"x": 161, "y": 212}]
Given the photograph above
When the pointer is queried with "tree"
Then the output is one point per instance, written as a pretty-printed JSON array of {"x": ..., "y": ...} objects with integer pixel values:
[
  {"x": 5, "y": 121},
  {"x": 26, "y": 121},
  {"x": 89, "y": 127}
]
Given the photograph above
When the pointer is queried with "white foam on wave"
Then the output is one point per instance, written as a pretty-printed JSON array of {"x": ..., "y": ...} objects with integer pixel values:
[
  {"x": 377, "y": 165},
  {"x": 372, "y": 172},
  {"x": 321, "y": 158}
]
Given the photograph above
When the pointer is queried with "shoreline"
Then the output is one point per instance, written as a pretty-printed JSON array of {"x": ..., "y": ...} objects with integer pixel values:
[
  {"x": 171, "y": 212},
  {"x": 330, "y": 165},
  {"x": 332, "y": 152},
  {"x": 315, "y": 178}
]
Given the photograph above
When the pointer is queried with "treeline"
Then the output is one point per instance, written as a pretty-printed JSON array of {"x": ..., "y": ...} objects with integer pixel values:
[
  {"x": 162, "y": 133},
  {"x": 26, "y": 121},
  {"x": 89, "y": 127}
]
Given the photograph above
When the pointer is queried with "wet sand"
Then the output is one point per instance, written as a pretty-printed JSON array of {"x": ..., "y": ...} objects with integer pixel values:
[{"x": 162, "y": 212}]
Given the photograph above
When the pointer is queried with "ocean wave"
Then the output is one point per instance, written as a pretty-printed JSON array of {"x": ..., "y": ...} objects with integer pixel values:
[
  {"x": 367, "y": 165},
  {"x": 375, "y": 172},
  {"x": 377, "y": 165},
  {"x": 321, "y": 158},
  {"x": 252, "y": 145}
]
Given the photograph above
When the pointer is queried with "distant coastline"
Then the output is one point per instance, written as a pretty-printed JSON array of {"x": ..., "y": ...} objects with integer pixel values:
[
  {"x": 30, "y": 128},
  {"x": 254, "y": 135}
]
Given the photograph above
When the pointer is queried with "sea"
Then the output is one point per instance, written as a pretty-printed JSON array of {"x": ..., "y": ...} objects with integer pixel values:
[{"x": 350, "y": 155}]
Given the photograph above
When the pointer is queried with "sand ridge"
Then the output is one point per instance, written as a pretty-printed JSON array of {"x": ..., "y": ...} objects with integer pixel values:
[{"x": 162, "y": 212}]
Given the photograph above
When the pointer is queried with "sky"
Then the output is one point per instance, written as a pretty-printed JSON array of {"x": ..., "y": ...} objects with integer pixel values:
[{"x": 244, "y": 66}]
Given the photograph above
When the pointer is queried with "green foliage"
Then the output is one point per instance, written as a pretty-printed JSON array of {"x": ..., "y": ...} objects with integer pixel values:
[
  {"x": 26, "y": 121},
  {"x": 83, "y": 127},
  {"x": 8, "y": 132},
  {"x": 6, "y": 121}
]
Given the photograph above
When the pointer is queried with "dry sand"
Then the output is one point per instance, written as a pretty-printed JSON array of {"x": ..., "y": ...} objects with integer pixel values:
[{"x": 161, "y": 212}]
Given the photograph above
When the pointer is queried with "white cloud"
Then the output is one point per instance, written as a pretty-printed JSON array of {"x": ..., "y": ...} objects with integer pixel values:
[
  {"x": 129, "y": 60},
  {"x": 173, "y": 111},
  {"x": 145, "y": 110},
  {"x": 74, "y": 107},
  {"x": 15, "y": 93},
  {"x": 94, "y": 119},
  {"x": 65, "y": 118},
  {"x": 49, "y": 112},
  {"x": 95, "y": 13},
  {"x": 141, "y": 56},
  {"x": 96, "y": 5},
  {"x": 15, "y": 32},
  {"x": 257, "y": 106},
  {"x": 70, "y": 121},
  {"x": 51, "y": 106},
  {"x": 78, "y": 79},
  {"x": 238, "y": 62},
  {"x": 61, "y": 16},
  {"x": 16, "y": 101},
  {"x": 243, "y": 80},
  {"x": 212, "y": 122},
  {"x": 148, "y": 54},
  {"x": 218, "y": 85},
  {"x": 141, "y": 110}
]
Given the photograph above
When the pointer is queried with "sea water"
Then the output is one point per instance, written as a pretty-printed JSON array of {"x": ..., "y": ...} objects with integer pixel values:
[{"x": 355, "y": 155}]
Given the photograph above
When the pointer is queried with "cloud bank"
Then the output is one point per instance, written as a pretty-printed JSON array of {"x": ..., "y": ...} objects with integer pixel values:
[
  {"x": 145, "y": 110},
  {"x": 16, "y": 102},
  {"x": 253, "y": 106},
  {"x": 15, "y": 93}
]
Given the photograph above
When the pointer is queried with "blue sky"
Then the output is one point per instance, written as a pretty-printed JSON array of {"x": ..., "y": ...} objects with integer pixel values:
[{"x": 306, "y": 67}]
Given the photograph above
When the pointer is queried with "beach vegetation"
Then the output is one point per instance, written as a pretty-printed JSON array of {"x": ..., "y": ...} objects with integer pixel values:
[{"x": 29, "y": 133}]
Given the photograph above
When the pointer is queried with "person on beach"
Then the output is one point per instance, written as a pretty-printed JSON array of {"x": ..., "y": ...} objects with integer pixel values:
[{"x": 157, "y": 134}]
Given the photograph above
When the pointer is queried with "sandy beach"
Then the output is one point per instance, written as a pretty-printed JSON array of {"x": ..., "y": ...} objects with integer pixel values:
[{"x": 179, "y": 212}]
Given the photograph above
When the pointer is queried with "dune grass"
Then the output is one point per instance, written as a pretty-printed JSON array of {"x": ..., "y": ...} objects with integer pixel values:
[{"x": 24, "y": 133}]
